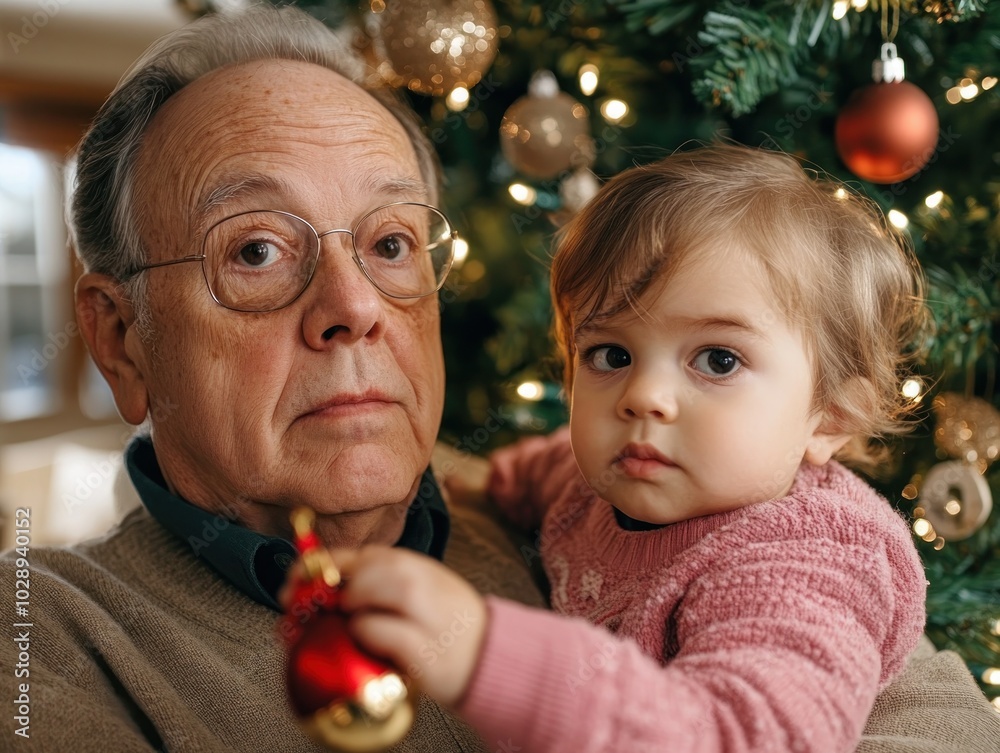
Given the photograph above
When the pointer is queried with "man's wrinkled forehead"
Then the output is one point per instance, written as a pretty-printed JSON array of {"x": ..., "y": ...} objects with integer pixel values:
[
  {"x": 258, "y": 118},
  {"x": 236, "y": 97},
  {"x": 229, "y": 188}
]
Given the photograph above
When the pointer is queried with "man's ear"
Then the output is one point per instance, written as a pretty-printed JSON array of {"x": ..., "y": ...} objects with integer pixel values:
[{"x": 105, "y": 318}]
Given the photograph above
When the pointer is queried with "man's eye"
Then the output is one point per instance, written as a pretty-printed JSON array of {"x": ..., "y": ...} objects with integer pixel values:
[
  {"x": 258, "y": 254},
  {"x": 394, "y": 247},
  {"x": 717, "y": 362},
  {"x": 608, "y": 358}
]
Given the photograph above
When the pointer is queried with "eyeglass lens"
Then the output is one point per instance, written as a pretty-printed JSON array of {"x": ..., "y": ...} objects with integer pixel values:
[{"x": 260, "y": 261}]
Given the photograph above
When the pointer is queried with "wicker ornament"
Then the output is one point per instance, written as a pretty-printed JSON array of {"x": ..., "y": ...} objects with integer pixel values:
[{"x": 956, "y": 500}]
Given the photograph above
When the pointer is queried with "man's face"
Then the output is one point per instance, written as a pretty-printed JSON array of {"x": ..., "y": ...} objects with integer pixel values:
[{"x": 333, "y": 401}]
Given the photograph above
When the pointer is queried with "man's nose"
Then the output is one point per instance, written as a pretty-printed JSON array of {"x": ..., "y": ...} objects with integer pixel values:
[
  {"x": 342, "y": 304},
  {"x": 649, "y": 394}
]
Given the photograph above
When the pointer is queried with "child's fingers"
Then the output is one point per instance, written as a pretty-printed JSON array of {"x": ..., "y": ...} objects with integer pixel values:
[
  {"x": 387, "y": 580},
  {"x": 441, "y": 662},
  {"x": 346, "y": 560},
  {"x": 390, "y": 637}
]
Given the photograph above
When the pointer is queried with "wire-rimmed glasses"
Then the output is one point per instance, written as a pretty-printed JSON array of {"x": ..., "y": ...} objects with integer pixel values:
[{"x": 263, "y": 260}]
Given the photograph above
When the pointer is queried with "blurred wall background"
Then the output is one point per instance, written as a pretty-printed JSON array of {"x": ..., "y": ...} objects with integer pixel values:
[{"x": 60, "y": 436}]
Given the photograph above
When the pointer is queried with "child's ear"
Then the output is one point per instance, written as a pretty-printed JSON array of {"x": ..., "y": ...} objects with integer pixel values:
[
  {"x": 822, "y": 446},
  {"x": 829, "y": 436}
]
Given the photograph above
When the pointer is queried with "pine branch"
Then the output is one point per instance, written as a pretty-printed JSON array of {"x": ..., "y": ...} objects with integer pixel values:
[
  {"x": 965, "y": 316},
  {"x": 969, "y": 9},
  {"x": 665, "y": 15}
]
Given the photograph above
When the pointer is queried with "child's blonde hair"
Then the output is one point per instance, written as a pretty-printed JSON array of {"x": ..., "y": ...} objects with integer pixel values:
[{"x": 841, "y": 275}]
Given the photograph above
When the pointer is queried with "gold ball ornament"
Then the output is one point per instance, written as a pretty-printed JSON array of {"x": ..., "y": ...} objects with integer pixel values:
[
  {"x": 968, "y": 428},
  {"x": 546, "y": 132},
  {"x": 956, "y": 499},
  {"x": 433, "y": 46}
]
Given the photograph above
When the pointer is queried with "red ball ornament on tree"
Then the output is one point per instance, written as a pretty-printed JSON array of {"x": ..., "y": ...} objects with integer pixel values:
[
  {"x": 345, "y": 698},
  {"x": 887, "y": 131}
]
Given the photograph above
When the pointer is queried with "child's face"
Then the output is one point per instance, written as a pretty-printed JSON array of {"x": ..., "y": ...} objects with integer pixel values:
[{"x": 702, "y": 405}]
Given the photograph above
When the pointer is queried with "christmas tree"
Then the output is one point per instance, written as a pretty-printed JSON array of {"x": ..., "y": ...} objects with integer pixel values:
[{"x": 531, "y": 104}]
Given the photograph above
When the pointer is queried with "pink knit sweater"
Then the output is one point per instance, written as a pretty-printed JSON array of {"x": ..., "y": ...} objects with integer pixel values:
[{"x": 768, "y": 628}]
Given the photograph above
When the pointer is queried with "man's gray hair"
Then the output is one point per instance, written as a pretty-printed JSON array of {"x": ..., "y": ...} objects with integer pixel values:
[{"x": 102, "y": 215}]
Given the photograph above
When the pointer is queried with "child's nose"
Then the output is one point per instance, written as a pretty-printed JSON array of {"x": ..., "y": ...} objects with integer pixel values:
[{"x": 648, "y": 396}]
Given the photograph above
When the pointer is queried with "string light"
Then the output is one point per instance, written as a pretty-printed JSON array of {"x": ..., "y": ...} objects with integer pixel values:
[
  {"x": 995, "y": 626},
  {"x": 473, "y": 270},
  {"x": 458, "y": 99},
  {"x": 898, "y": 219},
  {"x": 461, "y": 251},
  {"x": 967, "y": 89},
  {"x": 522, "y": 194},
  {"x": 921, "y": 527},
  {"x": 531, "y": 390},
  {"x": 588, "y": 76},
  {"x": 859, "y": 5},
  {"x": 840, "y": 9},
  {"x": 991, "y": 676},
  {"x": 614, "y": 110},
  {"x": 934, "y": 199},
  {"x": 840, "y": 193},
  {"x": 996, "y": 703},
  {"x": 911, "y": 388}
]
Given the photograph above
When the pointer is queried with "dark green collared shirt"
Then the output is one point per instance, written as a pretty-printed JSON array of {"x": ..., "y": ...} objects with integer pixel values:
[{"x": 250, "y": 561}]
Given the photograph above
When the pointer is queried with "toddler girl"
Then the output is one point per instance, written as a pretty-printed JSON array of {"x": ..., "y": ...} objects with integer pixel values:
[{"x": 733, "y": 330}]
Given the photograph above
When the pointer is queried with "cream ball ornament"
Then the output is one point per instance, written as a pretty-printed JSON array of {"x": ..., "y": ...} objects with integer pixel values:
[{"x": 546, "y": 132}]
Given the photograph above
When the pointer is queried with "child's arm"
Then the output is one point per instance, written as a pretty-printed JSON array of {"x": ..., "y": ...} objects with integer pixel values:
[
  {"x": 773, "y": 655},
  {"x": 528, "y": 476},
  {"x": 785, "y": 664}
]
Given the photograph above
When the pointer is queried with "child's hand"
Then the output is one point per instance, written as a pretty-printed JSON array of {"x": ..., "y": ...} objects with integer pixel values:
[
  {"x": 417, "y": 613},
  {"x": 463, "y": 476}
]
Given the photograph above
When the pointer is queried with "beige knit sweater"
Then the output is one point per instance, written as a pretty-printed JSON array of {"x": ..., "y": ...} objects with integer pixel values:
[{"x": 136, "y": 645}]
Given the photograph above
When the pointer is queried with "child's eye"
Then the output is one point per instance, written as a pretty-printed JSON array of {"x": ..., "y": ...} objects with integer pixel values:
[
  {"x": 717, "y": 362},
  {"x": 607, "y": 358}
]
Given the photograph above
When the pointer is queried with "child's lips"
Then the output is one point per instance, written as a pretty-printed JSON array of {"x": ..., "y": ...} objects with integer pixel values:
[{"x": 642, "y": 460}]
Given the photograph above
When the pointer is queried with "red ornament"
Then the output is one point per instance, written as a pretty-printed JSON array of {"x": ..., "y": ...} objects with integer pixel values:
[
  {"x": 887, "y": 132},
  {"x": 345, "y": 698}
]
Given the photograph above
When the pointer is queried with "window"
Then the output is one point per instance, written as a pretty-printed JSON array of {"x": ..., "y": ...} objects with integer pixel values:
[{"x": 36, "y": 323}]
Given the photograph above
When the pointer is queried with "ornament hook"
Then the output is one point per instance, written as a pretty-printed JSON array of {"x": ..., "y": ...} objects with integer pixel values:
[{"x": 890, "y": 68}]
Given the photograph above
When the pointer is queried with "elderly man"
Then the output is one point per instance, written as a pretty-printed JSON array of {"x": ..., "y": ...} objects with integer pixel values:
[{"x": 262, "y": 254}]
